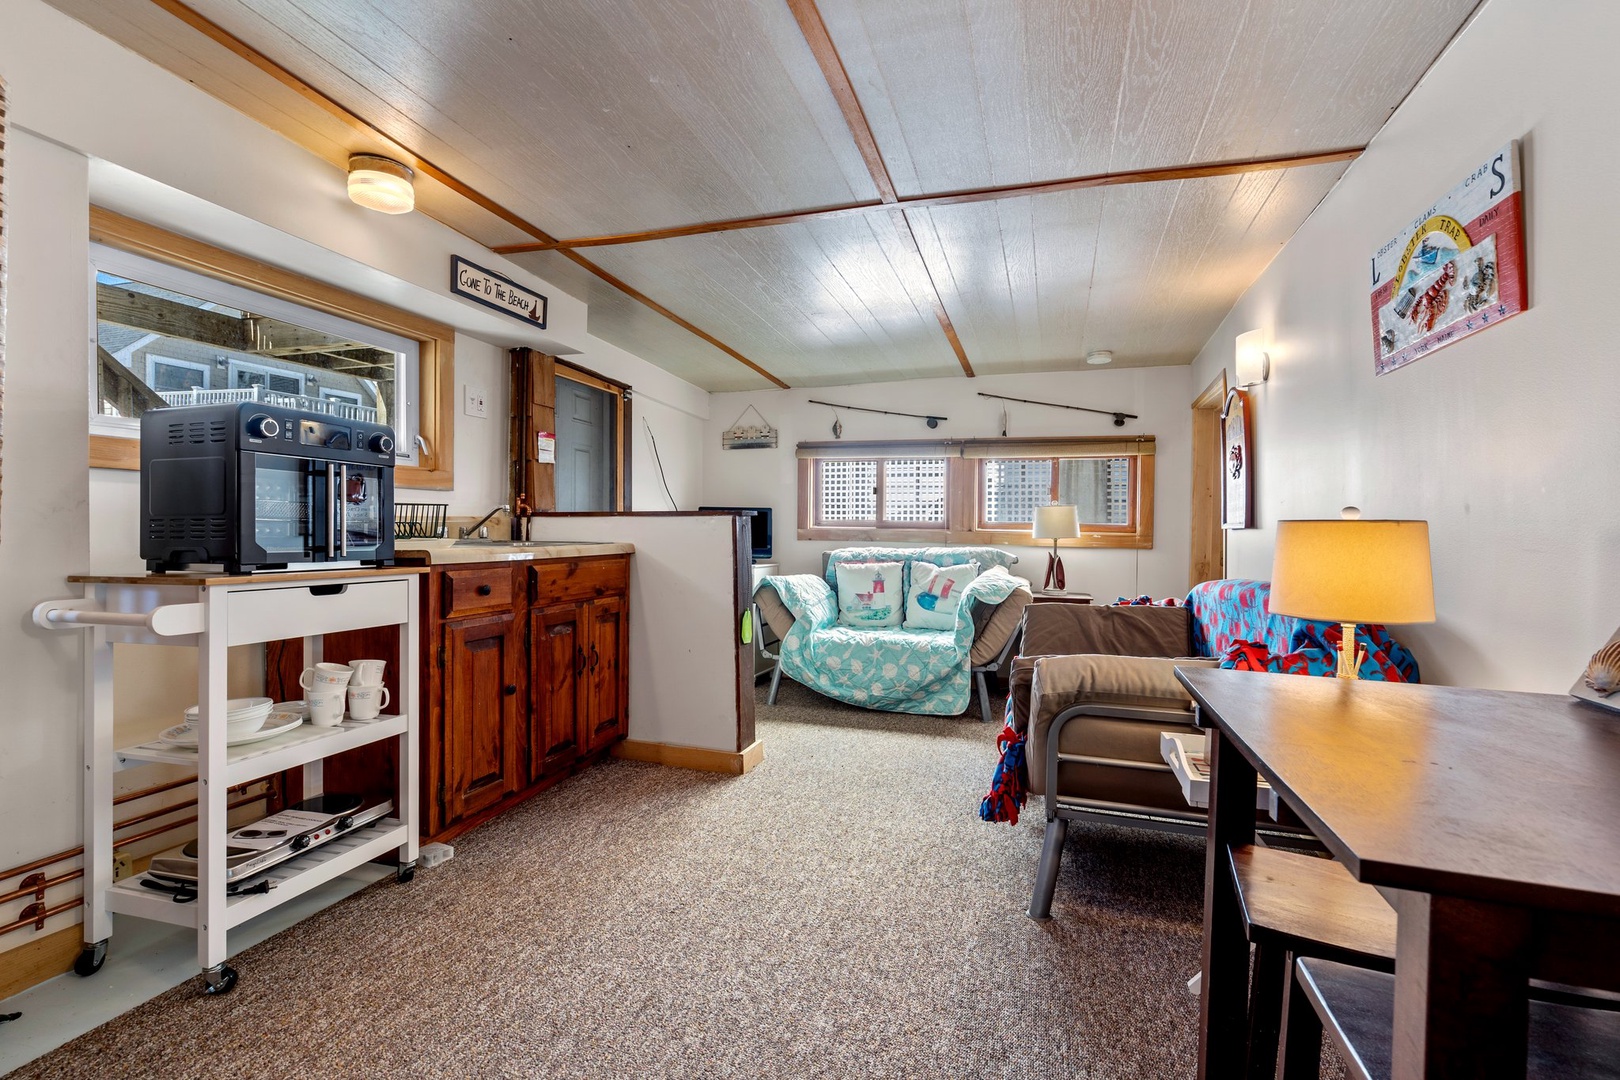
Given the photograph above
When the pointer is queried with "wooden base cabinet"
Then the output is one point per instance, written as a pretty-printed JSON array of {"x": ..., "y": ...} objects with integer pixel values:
[
  {"x": 481, "y": 712},
  {"x": 528, "y": 680}
]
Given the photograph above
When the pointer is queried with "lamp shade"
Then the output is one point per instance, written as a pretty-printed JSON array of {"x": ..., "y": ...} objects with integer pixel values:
[
  {"x": 1353, "y": 571},
  {"x": 1056, "y": 523}
]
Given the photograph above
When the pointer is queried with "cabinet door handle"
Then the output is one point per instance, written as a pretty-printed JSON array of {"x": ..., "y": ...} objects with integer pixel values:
[
  {"x": 485, "y": 590},
  {"x": 594, "y": 657},
  {"x": 511, "y": 688},
  {"x": 579, "y": 661}
]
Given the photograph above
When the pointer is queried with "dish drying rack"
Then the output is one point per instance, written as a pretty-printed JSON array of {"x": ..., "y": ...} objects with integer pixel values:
[
  {"x": 346, "y": 410},
  {"x": 419, "y": 521}
]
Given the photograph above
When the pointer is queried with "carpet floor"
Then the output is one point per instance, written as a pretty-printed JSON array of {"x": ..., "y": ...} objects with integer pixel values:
[{"x": 838, "y": 912}]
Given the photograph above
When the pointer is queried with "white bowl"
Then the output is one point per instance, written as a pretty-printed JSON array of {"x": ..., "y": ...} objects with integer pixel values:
[{"x": 243, "y": 716}]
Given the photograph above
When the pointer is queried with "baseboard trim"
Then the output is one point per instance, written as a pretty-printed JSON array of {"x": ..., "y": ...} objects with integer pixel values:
[
  {"x": 692, "y": 757},
  {"x": 42, "y": 958}
]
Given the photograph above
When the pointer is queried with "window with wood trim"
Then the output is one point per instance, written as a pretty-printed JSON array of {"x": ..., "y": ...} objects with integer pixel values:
[
  {"x": 179, "y": 321},
  {"x": 982, "y": 491}
]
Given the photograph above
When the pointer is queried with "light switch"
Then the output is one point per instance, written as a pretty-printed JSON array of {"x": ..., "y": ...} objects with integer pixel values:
[{"x": 476, "y": 404}]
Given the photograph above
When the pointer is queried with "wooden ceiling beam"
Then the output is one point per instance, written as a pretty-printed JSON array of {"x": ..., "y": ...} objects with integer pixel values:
[
  {"x": 235, "y": 45},
  {"x": 814, "y": 29},
  {"x": 1197, "y": 171}
]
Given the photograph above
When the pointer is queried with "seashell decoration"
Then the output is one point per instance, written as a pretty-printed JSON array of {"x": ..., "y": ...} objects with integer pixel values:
[{"x": 1603, "y": 671}]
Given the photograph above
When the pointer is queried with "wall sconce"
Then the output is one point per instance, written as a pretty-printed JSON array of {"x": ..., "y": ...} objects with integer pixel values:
[
  {"x": 381, "y": 184},
  {"x": 1253, "y": 362}
]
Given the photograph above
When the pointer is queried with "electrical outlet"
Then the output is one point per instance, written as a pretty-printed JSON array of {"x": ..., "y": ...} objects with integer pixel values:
[
  {"x": 476, "y": 403},
  {"x": 122, "y": 866}
]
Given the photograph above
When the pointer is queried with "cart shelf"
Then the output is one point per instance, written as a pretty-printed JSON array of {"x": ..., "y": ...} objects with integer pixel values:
[
  {"x": 292, "y": 878},
  {"x": 250, "y": 761}
]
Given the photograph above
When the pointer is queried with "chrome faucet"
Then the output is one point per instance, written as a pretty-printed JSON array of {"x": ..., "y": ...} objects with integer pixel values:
[{"x": 465, "y": 533}]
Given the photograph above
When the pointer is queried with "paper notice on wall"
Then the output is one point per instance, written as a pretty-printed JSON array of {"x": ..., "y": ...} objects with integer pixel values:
[{"x": 545, "y": 447}]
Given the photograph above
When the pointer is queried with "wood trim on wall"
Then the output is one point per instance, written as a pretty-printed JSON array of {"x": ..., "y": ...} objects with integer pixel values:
[
  {"x": 40, "y": 958},
  {"x": 692, "y": 757},
  {"x": 436, "y": 340},
  {"x": 1208, "y": 561}
]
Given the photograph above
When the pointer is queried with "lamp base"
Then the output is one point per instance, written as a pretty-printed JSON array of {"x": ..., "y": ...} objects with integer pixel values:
[
  {"x": 1350, "y": 653},
  {"x": 1054, "y": 583}
]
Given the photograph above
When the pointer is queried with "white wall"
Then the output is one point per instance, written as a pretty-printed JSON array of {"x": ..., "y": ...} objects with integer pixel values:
[
  {"x": 93, "y": 122},
  {"x": 44, "y": 509},
  {"x": 1507, "y": 442},
  {"x": 1159, "y": 396},
  {"x": 683, "y": 623}
]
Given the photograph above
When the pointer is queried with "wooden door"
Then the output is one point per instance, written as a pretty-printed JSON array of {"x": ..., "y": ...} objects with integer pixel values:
[
  {"x": 607, "y": 691},
  {"x": 558, "y": 657},
  {"x": 481, "y": 705}
]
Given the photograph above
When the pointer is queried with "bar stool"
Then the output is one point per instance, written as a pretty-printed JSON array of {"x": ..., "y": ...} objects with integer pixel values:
[
  {"x": 1357, "y": 1007},
  {"x": 1297, "y": 905}
]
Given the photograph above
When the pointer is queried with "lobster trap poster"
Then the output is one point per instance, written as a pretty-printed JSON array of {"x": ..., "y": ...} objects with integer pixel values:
[{"x": 1458, "y": 268}]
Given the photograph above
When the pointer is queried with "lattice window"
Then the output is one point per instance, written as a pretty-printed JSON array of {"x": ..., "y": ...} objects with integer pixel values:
[
  {"x": 914, "y": 491},
  {"x": 1014, "y": 487},
  {"x": 846, "y": 492},
  {"x": 1100, "y": 488}
]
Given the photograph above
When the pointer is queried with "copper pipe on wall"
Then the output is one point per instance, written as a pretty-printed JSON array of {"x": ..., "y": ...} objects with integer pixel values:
[
  {"x": 74, "y": 853},
  {"x": 37, "y": 918},
  {"x": 171, "y": 826},
  {"x": 37, "y": 888},
  {"x": 156, "y": 789}
]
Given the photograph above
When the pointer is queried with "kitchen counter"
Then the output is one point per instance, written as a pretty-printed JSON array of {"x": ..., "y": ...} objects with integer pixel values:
[{"x": 447, "y": 552}]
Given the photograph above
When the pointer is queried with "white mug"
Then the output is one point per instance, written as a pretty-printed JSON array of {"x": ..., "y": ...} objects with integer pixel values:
[
  {"x": 366, "y": 702},
  {"x": 367, "y": 672},
  {"x": 326, "y": 710},
  {"x": 326, "y": 678}
]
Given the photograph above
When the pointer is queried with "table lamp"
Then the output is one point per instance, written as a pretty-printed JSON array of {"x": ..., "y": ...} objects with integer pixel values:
[
  {"x": 1351, "y": 571},
  {"x": 1056, "y": 523}
]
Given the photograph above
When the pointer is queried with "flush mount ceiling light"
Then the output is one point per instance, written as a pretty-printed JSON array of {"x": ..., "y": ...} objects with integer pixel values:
[
  {"x": 381, "y": 184},
  {"x": 1100, "y": 357}
]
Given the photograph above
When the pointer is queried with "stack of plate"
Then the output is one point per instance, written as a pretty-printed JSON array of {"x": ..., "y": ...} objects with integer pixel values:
[{"x": 243, "y": 716}]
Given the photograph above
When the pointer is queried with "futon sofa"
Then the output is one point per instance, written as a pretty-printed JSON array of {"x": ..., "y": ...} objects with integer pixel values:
[
  {"x": 927, "y": 671},
  {"x": 1093, "y": 687}
]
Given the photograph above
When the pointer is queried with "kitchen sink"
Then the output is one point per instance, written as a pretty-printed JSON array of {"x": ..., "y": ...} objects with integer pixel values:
[{"x": 475, "y": 541}]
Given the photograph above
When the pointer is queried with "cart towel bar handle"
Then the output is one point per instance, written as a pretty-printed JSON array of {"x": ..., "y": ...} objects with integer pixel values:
[
  {"x": 334, "y": 589},
  {"x": 169, "y": 620}
]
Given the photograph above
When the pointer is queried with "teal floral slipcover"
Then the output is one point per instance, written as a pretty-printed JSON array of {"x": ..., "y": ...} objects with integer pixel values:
[{"x": 891, "y": 669}]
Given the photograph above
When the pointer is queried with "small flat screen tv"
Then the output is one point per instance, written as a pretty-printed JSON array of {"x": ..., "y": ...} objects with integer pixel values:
[{"x": 759, "y": 521}]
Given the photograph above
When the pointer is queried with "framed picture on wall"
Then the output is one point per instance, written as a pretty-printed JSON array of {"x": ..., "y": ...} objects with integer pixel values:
[{"x": 1237, "y": 463}]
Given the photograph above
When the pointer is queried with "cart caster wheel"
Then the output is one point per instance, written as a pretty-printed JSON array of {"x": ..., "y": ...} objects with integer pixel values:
[
  {"x": 91, "y": 959},
  {"x": 405, "y": 873},
  {"x": 220, "y": 980}
]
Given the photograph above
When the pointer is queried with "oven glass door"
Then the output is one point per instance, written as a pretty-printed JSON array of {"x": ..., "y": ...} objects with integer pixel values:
[
  {"x": 288, "y": 515},
  {"x": 363, "y": 511}
]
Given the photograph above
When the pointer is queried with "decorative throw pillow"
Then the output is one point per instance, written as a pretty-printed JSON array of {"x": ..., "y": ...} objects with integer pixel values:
[
  {"x": 935, "y": 592},
  {"x": 870, "y": 594}
]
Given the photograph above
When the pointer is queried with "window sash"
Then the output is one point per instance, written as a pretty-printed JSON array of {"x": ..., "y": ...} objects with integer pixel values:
[
  {"x": 1053, "y": 493},
  {"x": 888, "y": 508},
  {"x": 964, "y": 491}
]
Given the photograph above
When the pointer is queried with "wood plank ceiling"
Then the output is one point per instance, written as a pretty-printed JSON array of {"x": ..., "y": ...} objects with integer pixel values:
[{"x": 531, "y": 122}]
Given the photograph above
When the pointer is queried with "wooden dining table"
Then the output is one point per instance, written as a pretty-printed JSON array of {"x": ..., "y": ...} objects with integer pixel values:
[{"x": 1489, "y": 819}]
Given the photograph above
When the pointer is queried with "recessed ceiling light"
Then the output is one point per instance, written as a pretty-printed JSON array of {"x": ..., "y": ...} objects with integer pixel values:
[
  {"x": 381, "y": 184},
  {"x": 1100, "y": 357}
]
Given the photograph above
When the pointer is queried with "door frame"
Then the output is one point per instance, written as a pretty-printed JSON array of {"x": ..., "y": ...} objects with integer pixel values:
[
  {"x": 1208, "y": 554},
  {"x": 620, "y": 392}
]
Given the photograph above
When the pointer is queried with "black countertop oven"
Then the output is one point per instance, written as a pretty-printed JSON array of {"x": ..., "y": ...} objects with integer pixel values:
[{"x": 252, "y": 486}]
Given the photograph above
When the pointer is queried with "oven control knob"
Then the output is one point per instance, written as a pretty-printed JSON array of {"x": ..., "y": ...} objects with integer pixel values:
[
  {"x": 381, "y": 443},
  {"x": 263, "y": 427}
]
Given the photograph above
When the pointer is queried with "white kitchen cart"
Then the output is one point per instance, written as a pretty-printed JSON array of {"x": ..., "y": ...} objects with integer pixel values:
[{"x": 214, "y": 613}]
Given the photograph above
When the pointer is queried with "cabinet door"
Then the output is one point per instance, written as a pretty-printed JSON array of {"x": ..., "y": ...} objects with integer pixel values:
[
  {"x": 607, "y": 689},
  {"x": 557, "y": 638},
  {"x": 481, "y": 705}
]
